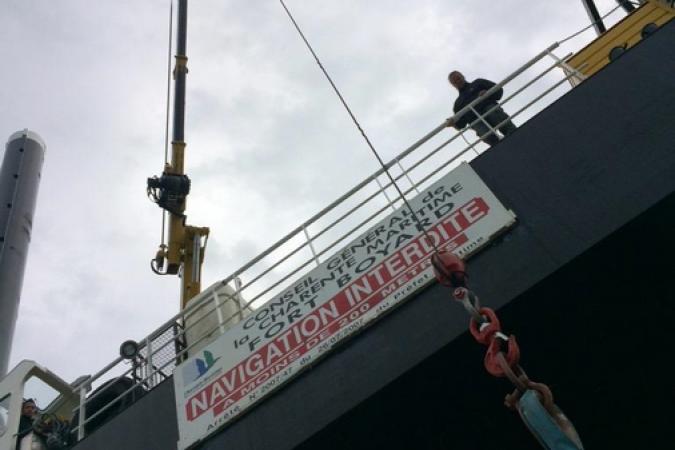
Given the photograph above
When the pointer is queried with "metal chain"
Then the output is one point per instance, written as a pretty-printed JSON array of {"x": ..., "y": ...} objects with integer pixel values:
[{"x": 533, "y": 401}]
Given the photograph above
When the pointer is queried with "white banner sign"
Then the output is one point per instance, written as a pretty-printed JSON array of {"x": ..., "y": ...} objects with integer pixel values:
[{"x": 364, "y": 280}]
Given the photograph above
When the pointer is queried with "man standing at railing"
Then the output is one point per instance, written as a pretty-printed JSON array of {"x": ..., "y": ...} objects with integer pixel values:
[{"x": 489, "y": 109}]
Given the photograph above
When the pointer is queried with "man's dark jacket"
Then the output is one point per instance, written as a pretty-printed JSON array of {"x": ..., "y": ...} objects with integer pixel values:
[
  {"x": 25, "y": 427},
  {"x": 468, "y": 93}
]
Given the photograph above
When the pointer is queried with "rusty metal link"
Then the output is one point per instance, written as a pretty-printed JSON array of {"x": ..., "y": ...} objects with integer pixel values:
[
  {"x": 545, "y": 395},
  {"x": 517, "y": 376},
  {"x": 522, "y": 383}
]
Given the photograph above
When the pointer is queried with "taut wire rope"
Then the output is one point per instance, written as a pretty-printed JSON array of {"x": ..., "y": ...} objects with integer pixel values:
[
  {"x": 419, "y": 224},
  {"x": 168, "y": 102}
]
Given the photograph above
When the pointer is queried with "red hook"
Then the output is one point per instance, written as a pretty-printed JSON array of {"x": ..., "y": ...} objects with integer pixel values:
[{"x": 449, "y": 269}]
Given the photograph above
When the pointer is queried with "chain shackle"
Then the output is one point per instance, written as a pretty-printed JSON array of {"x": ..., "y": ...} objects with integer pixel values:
[
  {"x": 485, "y": 331},
  {"x": 512, "y": 355}
]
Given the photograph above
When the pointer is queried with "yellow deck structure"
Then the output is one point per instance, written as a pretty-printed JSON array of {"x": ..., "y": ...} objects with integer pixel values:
[{"x": 625, "y": 34}]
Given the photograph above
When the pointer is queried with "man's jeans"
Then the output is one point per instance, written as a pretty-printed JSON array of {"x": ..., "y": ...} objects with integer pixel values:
[{"x": 495, "y": 117}]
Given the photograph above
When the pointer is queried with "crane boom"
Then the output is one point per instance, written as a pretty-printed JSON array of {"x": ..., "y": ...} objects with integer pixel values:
[{"x": 185, "y": 249}]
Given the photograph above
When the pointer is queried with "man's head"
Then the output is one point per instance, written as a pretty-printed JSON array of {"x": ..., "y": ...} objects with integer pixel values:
[
  {"x": 456, "y": 79},
  {"x": 29, "y": 408}
]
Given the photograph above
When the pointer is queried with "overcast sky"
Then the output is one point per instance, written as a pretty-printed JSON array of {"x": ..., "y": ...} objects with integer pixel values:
[{"x": 269, "y": 144}]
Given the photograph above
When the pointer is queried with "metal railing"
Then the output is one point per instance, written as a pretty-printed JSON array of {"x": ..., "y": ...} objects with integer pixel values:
[{"x": 300, "y": 250}]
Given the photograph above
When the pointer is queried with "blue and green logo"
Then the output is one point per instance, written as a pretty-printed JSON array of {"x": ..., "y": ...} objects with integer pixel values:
[{"x": 195, "y": 369}]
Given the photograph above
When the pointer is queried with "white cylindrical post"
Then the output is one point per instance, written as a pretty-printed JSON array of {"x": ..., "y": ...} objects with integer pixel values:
[{"x": 19, "y": 182}]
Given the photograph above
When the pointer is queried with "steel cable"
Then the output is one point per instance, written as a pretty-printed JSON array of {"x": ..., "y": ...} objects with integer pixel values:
[
  {"x": 168, "y": 110},
  {"x": 419, "y": 224}
]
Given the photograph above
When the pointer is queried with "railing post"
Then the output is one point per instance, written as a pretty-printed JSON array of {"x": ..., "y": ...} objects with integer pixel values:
[
  {"x": 407, "y": 176},
  {"x": 377, "y": 180},
  {"x": 311, "y": 246},
  {"x": 482, "y": 119},
  {"x": 179, "y": 338},
  {"x": 150, "y": 372},
  {"x": 196, "y": 256},
  {"x": 560, "y": 62},
  {"x": 237, "y": 294},
  {"x": 219, "y": 313},
  {"x": 469, "y": 143},
  {"x": 82, "y": 411},
  {"x": 138, "y": 369}
]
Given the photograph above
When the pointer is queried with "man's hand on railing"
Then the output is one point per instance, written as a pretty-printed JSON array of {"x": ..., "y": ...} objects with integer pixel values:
[{"x": 450, "y": 122}]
